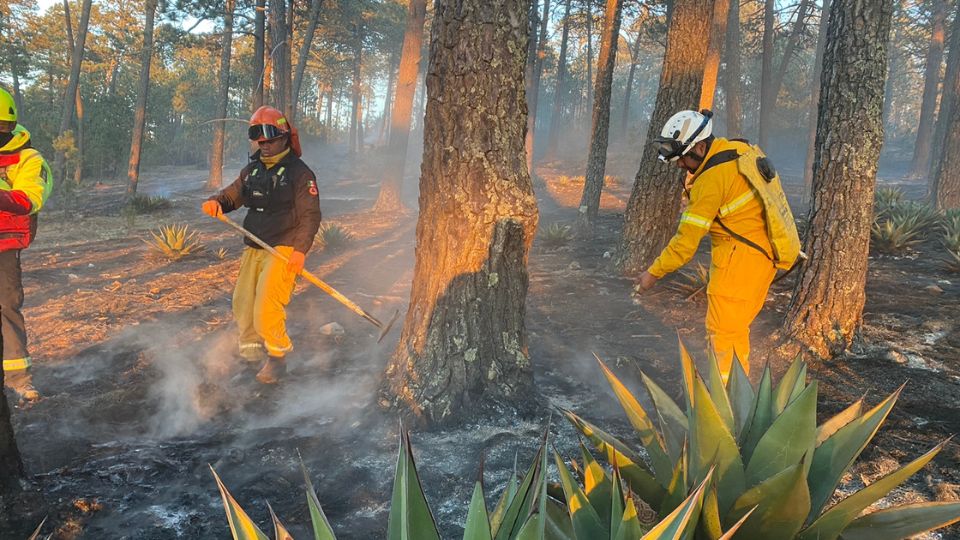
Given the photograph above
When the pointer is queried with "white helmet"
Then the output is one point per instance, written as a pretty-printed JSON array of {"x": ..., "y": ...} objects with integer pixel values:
[{"x": 683, "y": 130}]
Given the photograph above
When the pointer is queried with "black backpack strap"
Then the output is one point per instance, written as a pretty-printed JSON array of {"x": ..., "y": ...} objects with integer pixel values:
[
  {"x": 744, "y": 239},
  {"x": 720, "y": 158}
]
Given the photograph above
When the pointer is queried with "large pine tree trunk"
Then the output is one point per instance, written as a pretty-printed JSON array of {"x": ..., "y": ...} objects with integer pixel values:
[
  {"x": 259, "y": 46},
  {"x": 920, "y": 165},
  {"x": 651, "y": 214},
  {"x": 731, "y": 74},
  {"x": 76, "y": 59},
  {"x": 11, "y": 468},
  {"x": 718, "y": 33},
  {"x": 140, "y": 113},
  {"x": 815, "y": 96},
  {"x": 827, "y": 306},
  {"x": 215, "y": 179},
  {"x": 557, "y": 116},
  {"x": 600, "y": 132},
  {"x": 946, "y": 184},
  {"x": 951, "y": 84},
  {"x": 767, "y": 99},
  {"x": 304, "y": 53},
  {"x": 464, "y": 341},
  {"x": 390, "y": 190}
]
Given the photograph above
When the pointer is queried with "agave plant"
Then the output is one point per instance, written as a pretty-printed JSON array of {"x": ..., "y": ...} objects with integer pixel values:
[
  {"x": 769, "y": 455},
  {"x": 885, "y": 199},
  {"x": 923, "y": 215},
  {"x": 332, "y": 237},
  {"x": 601, "y": 509},
  {"x": 894, "y": 236},
  {"x": 175, "y": 241},
  {"x": 951, "y": 230},
  {"x": 556, "y": 235},
  {"x": 694, "y": 281},
  {"x": 952, "y": 260}
]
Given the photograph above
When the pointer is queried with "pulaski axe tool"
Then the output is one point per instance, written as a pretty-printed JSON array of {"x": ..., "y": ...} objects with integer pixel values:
[{"x": 384, "y": 329}]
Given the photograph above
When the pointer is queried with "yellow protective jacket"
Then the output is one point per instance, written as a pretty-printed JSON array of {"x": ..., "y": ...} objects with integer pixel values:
[
  {"x": 720, "y": 192},
  {"x": 25, "y": 185}
]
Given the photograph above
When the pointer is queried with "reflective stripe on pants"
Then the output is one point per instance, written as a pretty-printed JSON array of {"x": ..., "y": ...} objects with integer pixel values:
[{"x": 259, "y": 300}]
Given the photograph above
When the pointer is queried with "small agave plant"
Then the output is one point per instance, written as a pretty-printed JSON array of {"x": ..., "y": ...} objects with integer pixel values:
[
  {"x": 603, "y": 508},
  {"x": 773, "y": 468},
  {"x": 332, "y": 237},
  {"x": 175, "y": 241}
]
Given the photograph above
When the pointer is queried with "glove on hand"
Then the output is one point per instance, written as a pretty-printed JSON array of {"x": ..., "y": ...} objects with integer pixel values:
[
  {"x": 212, "y": 208},
  {"x": 295, "y": 263}
]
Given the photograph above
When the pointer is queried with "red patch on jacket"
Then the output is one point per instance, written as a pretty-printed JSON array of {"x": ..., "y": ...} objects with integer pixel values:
[{"x": 9, "y": 159}]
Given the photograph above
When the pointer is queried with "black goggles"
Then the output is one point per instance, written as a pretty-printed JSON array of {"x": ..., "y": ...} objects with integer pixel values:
[
  {"x": 264, "y": 132},
  {"x": 671, "y": 149}
]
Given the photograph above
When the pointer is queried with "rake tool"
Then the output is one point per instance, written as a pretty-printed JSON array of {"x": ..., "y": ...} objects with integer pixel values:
[{"x": 384, "y": 329}]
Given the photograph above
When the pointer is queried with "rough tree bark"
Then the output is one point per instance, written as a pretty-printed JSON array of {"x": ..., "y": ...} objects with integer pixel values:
[
  {"x": 920, "y": 165},
  {"x": 815, "y": 96},
  {"x": 68, "y": 104},
  {"x": 215, "y": 179},
  {"x": 259, "y": 47},
  {"x": 767, "y": 100},
  {"x": 140, "y": 113},
  {"x": 731, "y": 74},
  {"x": 827, "y": 306},
  {"x": 304, "y": 53},
  {"x": 600, "y": 130},
  {"x": 557, "y": 116},
  {"x": 718, "y": 33},
  {"x": 948, "y": 100},
  {"x": 464, "y": 342},
  {"x": 533, "y": 88},
  {"x": 651, "y": 213},
  {"x": 389, "y": 199}
]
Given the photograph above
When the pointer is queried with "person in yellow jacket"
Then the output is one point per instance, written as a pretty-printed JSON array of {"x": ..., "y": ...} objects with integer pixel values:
[
  {"x": 722, "y": 203},
  {"x": 25, "y": 184},
  {"x": 280, "y": 192}
]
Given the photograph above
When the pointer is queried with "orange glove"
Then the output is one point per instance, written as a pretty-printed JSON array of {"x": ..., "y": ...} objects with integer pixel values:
[
  {"x": 212, "y": 208},
  {"x": 295, "y": 263}
]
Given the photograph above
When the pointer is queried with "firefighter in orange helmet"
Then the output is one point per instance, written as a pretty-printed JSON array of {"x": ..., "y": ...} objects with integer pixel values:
[
  {"x": 280, "y": 193},
  {"x": 25, "y": 184}
]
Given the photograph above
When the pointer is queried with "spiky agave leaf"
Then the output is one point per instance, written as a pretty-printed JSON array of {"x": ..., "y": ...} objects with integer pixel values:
[
  {"x": 478, "y": 522},
  {"x": 36, "y": 533},
  {"x": 321, "y": 525},
  {"x": 903, "y": 521},
  {"x": 241, "y": 526},
  {"x": 791, "y": 435},
  {"x": 782, "y": 503},
  {"x": 410, "y": 516},
  {"x": 521, "y": 504},
  {"x": 712, "y": 446},
  {"x": 586, "y": 521},
  {"x": 279, "y": 531},
  {"x": 677, "y": 523}
]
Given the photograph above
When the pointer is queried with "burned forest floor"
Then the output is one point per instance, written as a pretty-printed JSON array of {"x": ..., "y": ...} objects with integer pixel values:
[{"x": 135, "y": 356}]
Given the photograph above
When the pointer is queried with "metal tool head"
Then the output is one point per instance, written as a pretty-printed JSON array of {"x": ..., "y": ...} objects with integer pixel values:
[{"x": 386, "y": 328}]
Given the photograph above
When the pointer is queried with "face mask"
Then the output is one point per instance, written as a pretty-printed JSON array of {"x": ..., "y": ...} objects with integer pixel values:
[{"x": 5, "y": 138}]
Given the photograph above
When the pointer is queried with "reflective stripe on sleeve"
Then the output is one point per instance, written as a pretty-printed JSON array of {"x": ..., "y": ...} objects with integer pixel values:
[
  {"x": 736, "y": 204},
  {"x": 16, "y": 364},
  {"x": 695, "y": 220}
]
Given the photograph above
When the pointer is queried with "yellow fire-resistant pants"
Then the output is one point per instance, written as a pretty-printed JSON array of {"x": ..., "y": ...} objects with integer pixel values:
[
  {"x": 739, "y": 279},
  {"x": 263, "y": 290}
]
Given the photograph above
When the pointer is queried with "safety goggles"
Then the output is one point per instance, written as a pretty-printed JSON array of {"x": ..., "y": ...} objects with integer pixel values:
[
  {"x": 264, "y": 132},
  {"x": 670, "y": 150}
]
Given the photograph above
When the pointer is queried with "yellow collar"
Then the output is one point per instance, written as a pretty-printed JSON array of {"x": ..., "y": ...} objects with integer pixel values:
[{"x": 273, "y": 160}]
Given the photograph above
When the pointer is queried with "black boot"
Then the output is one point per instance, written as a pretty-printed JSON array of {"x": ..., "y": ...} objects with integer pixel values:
[{"x": 274, "y": 368}]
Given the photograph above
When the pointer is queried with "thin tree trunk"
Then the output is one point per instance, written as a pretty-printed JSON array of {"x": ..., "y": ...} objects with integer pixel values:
[
  {"x": 599, "y": 135},
  {"x": 328, "y": 122},
  {"x": 718, "y": 33},
  {"x": 388, "y": 95},
  {"x": 533, "y": 98},
  {"x": 731, "y": 75},
  {"x": 259, "y": 46},
  {"x": 894, "y": 60},
  {"x": 628, "y": 95},
  {"x": 827, "y": 306},
  {"x": 304, "y": 53},
  {"x": 68, "y": 104},
  {"x": 280, "y": 53},
  {"x": 815, "y": 85},
  {"x": 951, "y": 83},
  {"x": 215, "y": 179},
  {"x": 920, "y": 165},
  {"x": 389, "y": 199},
  {"x": 532, "y": 33},
  {"x": 798, "y": 26},
  {"x": 557, "y": 116},
  {"x": 78, "y": 171},
  {"x": 464, "y": 342},
  {"x": 140, "y": 114},
  {"x": 767, "y": 98},
  {"x": 15, "y": 75},
  {"x": 589, "y": 81},
  {"x": 355, "y": 113},
  {"x": 650, "y": 217}
]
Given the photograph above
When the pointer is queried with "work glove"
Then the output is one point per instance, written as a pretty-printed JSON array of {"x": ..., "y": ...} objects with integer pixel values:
[
  {"x": 212, "y": 208},
  {"x": 295, "y": 263}
]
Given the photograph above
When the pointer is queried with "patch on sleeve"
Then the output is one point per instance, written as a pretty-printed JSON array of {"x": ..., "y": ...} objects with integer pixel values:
[{"x": 312, "y": 185}]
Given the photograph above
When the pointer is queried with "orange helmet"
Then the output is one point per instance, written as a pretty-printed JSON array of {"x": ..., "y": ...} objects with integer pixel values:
[{"x": 268, "y": 123}]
